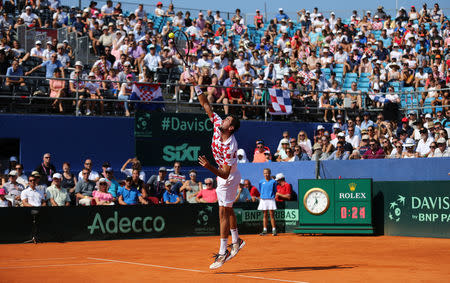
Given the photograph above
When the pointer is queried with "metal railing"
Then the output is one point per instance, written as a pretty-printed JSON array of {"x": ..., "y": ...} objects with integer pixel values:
[{"x": 177, "y": 103}]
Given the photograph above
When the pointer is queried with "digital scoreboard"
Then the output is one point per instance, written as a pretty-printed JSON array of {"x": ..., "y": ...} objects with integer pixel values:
[{"x": 341, "y": 206}]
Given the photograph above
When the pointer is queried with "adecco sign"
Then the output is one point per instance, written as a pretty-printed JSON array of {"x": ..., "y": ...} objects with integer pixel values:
[{"x": 137, "y": 224}]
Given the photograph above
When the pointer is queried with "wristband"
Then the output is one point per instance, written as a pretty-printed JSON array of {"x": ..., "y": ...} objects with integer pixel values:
[{"x": 197, "y": 89}]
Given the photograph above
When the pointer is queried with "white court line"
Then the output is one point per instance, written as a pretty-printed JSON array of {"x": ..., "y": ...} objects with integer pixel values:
[
  {"x": 193, "y": 270},
  {"x": 43, "y": 259},
  {"x": 54, "y": 265}
]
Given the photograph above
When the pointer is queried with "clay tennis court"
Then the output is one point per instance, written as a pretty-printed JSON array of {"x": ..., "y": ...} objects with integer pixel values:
[{"x": 286, "y": 258}]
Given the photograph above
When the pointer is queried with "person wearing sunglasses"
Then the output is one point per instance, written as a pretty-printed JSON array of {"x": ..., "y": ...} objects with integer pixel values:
[
  {"x": 31, "y": 196},
  {"x": 375, "y": 151},
  {"x": 46, "y": 170},
  {"x": 339, "y": 153}
]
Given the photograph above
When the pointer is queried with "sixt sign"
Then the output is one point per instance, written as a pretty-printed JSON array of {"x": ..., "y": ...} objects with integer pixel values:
[
  {"x": 163, "y": 138},
  {"x": 182, "y": 152}
]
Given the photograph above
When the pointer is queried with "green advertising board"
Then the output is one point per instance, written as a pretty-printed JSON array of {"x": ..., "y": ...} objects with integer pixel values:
[
  {"x": 342, "y": 206},
  {"x": 419, "y": 208},
  {"x": 163, "y": 138}
]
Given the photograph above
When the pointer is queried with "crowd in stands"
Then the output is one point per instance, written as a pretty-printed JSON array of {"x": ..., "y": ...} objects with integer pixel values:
[
  {"x": 47, "y": 187},
  {"x": 362, "y": 138},
  {"x": 322, "y": 60}
]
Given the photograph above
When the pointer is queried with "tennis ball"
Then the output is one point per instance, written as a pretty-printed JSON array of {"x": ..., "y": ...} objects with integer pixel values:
[{"x": 171, "y": 35}]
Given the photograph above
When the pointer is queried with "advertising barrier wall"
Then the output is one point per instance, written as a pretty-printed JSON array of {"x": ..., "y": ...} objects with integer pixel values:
[
  {"x": 163, "y": 138},
  {"x": 58, "y": 224},
  {"x": 419, "y": 208}
]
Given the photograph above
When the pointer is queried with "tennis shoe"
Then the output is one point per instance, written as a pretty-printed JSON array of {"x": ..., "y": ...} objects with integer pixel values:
[
  {"x": 263, "y": 233},
  {"x": 219, "y": 260},
  {"x": 235, "y": 248}
]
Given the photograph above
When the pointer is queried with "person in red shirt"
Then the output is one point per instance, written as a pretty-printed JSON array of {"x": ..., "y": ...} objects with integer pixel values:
[
  {"x": 375, "y": 151},
  {"x": 254, "y": 193},
  {"x": 284, "y": 189},
  {"x": 235, "y": 96}
]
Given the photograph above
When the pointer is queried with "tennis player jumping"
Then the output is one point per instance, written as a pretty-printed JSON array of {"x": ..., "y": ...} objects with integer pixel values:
[{"x": 224, "y": 148}]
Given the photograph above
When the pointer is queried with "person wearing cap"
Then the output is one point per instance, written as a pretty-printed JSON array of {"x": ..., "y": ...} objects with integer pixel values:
[
  {"x": 102, "y": 196},
  {"x": 442, "y": 149},
  {"x": 56, "y": 195},
  {"x": 79, "y": 26},
  {"x": 409, "y": 151},
  {"x": 242, "y": 156},
  {"x": 268, "y": 189},
  {"x": 159, "y": 12},
  {"x": 48, "y": 51},
  {"x": 243, "y": 193},
  {"x": 170, "y": 196},
  {"x": 155, "y": 185},
  {"x": 364, "y": 145},
  {"x": 84, "y": 188},
  {"x": 4, "y": 202},
  {"x": 380, "y": 13},
  {"x": 152, "y": 60},
  {"x": 28, "y": 16},
  {"x": 129, "y": 195},
  {"x": 280, "y": 16},
  {"x": 284, "y": 189},
  {"x": 13, "y": 188},
  {"x": 282, "y": 153},
  {"x": 32, "y": 196},
  {"x": 36, "y": 51},
  {"x": 113, "y": 185}
]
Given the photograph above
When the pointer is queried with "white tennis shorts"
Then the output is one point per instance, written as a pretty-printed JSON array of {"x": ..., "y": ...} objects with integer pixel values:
[
  {"x": 267, "y": 204},
  {"x": 227, "y": 189}
]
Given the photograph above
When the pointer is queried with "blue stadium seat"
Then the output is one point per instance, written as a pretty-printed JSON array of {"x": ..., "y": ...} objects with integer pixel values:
[
  {"x": 351, "y": 75},
  {"x": 365, "y": 75},
  {"x": 427, "y": 103}
]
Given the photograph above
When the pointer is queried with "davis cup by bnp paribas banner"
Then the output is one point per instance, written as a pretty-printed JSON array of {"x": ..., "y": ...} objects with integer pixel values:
[
  {"x": 419, "y": 208},
  {"x": 163, "y": 138}
]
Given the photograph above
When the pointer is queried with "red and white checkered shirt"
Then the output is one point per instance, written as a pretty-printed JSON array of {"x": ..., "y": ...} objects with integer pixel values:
[{"x": 225, "y": 152}]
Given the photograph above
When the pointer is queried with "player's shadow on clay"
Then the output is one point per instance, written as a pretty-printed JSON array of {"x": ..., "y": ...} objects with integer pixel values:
[{"x": 296, "y": 268}]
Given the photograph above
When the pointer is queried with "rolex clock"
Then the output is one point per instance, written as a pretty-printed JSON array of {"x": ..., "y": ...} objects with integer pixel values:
[
  {"x": 342, "y": 206},
  {"x": 316, "y": 201}
]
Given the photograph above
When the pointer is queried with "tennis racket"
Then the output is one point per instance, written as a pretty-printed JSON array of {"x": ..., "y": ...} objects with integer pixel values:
[{"x": 183, "y": 46}]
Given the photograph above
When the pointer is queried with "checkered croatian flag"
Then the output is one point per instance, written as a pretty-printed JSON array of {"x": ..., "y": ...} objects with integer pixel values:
[
  {"x": 149, "y": 93},
  {"x": 281, "y": 102}
]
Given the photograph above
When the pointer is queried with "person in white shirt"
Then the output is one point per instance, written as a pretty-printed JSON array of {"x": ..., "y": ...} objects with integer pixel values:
[
  {"x": 204, "y": 61},
  {"x": 443, "y": 150},
  {"x": 28, "y": 16},
  {"x": 47, "y": 53},
  {"x": 351, "y": 138},
  {"x": 108, "y": 9},
  {"x": 423, "y": 146},
  {"x": 93, "y": 175},
  {"x": 341, "y": 56},
  {"x": 151, "y": 60},
  {"x": 159, "y": 12},
  {"x": 37, "y": 51},
  {"x": 281, "y": 69},
  {"x": 31, "y": 196},
  {"x": 140, "y": 13},
  {"x": 396, "y": 53}
]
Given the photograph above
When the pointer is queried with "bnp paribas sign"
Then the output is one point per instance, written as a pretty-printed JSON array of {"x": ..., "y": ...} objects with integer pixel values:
[{"x": 422, "y": 209}]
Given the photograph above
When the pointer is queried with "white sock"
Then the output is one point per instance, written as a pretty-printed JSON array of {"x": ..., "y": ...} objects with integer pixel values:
[
  {"x": 223, "y": 245},
  {"x": 264, "y": 229},
  {"x": 234, "y": 235},
  {"x": 274, "y": 229}
]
